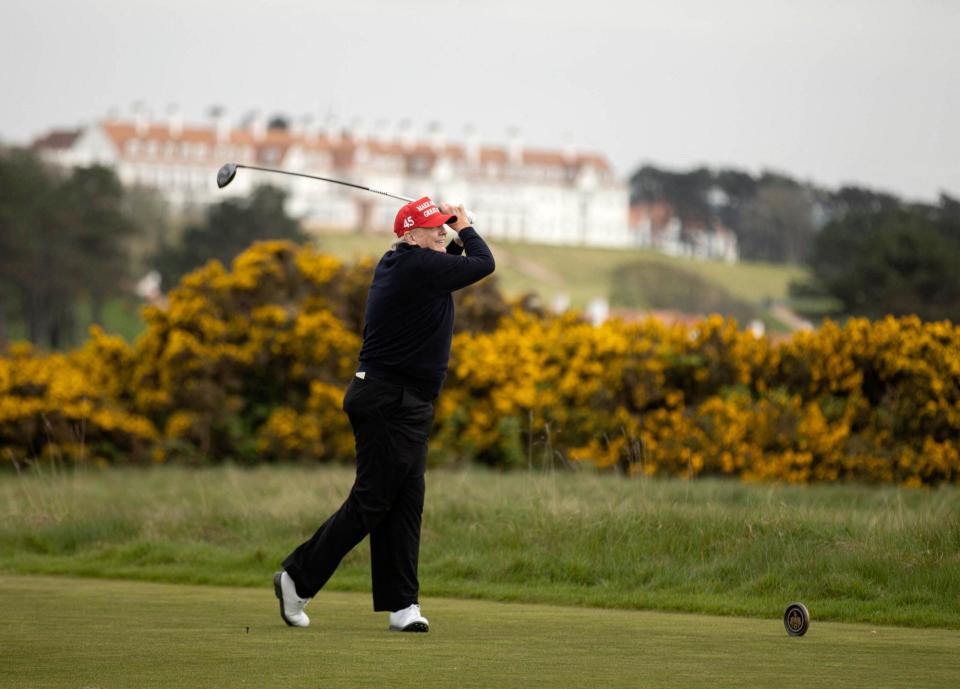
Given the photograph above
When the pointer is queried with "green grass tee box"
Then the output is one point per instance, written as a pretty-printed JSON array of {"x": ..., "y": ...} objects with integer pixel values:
[{"x": 68, "y": 633}]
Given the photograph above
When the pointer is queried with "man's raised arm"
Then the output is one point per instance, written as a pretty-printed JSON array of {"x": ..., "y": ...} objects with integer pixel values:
[{"x": 451, "y": 271}]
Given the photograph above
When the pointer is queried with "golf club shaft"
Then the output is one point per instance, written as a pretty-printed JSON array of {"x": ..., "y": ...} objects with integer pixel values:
[
  {"x": 236, "y": 166},
  {"x": 326, "y": 179}
]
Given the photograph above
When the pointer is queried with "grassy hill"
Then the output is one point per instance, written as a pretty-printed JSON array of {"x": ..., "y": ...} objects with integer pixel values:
[
  {"x": 630, "y": 278},
  {"x": 583, "y": 274}
]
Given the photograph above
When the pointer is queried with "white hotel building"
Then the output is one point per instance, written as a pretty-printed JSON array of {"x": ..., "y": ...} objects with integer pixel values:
[{"x": 516, "y": 193}]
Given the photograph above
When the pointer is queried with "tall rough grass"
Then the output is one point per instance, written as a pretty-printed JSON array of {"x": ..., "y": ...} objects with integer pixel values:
[{"x": 851, "y": 553}]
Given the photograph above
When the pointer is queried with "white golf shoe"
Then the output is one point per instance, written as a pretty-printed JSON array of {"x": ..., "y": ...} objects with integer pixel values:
[
  {"x": 409, "y": 620},
  {"x": 291, "y": 605}
]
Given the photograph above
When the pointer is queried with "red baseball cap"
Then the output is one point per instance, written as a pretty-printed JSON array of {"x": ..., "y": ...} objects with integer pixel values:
[{"x": 420, "y": 213}]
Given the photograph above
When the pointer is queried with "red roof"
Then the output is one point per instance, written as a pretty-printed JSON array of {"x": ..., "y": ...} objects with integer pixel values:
[
  {"x": 57, "y": 139},
  {"x": 272, "y": 146},
  {"x": 343, "y": 149}
]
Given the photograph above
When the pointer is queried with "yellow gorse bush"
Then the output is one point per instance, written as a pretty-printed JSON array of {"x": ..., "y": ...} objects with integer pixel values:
[
  {"x": 251, "y": 364},
  {"x": 218, "y": 372},
  {"x": 613, "y": 395},
  {"x": 868, "y": 401},
  {"x": 236, "y": 364},
  {"x": 75, "y": 405}
]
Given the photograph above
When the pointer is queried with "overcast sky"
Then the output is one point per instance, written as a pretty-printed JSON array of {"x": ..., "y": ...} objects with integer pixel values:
[{"x": 841, "y": 91}]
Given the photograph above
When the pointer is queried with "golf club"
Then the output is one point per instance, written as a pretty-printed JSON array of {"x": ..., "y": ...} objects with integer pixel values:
[{"x": 226, "y": 174}]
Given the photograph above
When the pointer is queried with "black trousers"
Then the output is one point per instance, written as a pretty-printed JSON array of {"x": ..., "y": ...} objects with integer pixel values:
[{"x": 391, "y": 424}]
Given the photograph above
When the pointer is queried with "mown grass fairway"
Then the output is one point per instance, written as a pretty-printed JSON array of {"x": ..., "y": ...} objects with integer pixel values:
[
  {"x": 71, "y": 633},
  {"x": 879, "y": 555}
]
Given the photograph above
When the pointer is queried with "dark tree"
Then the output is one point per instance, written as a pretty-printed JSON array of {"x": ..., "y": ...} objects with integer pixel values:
[
  {"x": 28, "y": 223},
  {"x": 861, "y": 200},
  {"x": 687, "y": 192},
  {"x": 899, "y": 261},
  {"x": 774, "y": 216},
  {"x": 100, "y": 231},
  {"x": 230, "y": 227},
  {"x": 777, "y": 223},
  {"x": 63, "y": 241}
]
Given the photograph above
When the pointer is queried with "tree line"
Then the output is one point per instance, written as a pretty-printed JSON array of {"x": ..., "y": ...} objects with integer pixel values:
[
  {"x": 72, "y": 241},
  {"x": 899, "y": 260},
  {"x": 869, "y": 252},
  {"x": 63, "y": 242}
]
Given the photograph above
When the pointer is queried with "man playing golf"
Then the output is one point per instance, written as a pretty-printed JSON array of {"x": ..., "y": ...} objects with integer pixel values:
[{"x": 403, "y": 361}]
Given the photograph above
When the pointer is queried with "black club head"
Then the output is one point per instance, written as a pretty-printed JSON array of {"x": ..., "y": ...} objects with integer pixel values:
[{"x": 226, "y": 174}]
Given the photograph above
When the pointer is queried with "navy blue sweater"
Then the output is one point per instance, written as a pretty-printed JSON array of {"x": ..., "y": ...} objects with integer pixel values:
[{"x": 409, "y": 316}]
